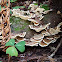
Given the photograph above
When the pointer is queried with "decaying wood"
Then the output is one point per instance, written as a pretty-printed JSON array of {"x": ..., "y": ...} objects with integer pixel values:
[
  {"x": 48, "y": 24},
  {"x": 4, "y": 21}
]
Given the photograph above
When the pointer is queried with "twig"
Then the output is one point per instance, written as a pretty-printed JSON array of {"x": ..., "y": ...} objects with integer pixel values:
[
  {"x": 56, "y": 48},
  {"x": 2, "y": 46},
  {"x": 9, "y": 57},
  {"x": 37, "y": 57}
]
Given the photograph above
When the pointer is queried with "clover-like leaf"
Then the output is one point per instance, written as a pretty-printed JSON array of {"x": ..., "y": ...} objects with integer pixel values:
[
  {"x": 12, "y": 51},
  {"x": 45, "y": 6},
  {"x": 20, "y": 46},
  {"x": 10, "y": 43}
]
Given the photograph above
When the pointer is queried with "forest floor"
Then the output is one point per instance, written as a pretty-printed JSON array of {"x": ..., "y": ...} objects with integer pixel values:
[{"x": 32, "y": 54}]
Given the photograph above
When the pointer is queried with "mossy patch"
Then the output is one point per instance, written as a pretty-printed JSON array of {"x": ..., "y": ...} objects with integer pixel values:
[{"x": 19, "y": 24}]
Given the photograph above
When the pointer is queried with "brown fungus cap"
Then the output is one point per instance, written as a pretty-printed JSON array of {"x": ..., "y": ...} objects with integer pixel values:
[
  {"x": 30, "y": 43},
  {"x": 45, "y": 42},
  {"x": 19, "y": 39},
  {"x": 39, "y": 28},
  {"x": 42, "y": 44},
  {"x": 19, "y": 34}
]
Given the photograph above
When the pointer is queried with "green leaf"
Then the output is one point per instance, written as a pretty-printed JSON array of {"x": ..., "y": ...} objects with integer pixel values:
[
  {"x": 28, "y": 8},
  {"x": 35, "y": 4},
  {"x": 12, "y": 1},
  {"x": 20, "y": 46},
  {"x": 12, "y": 51},
  {"x": 10, "y": 11},
  {"x": 17, "y": 7},
  {"x": 45, "y": 6},
  {"x": 0, "y": 61},
  {"x": 0, "y": 7},
  {"x": 10, "y": 43}
]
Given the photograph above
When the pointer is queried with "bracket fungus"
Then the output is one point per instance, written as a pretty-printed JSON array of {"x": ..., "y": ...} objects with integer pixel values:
[
  {"x": 30, "y": 43},
  {"x": 25, "y": 15},
  {"x": 39, "y": 28},
  {"x": 33, "y": 7},
  {"x": 34, "y": 21},
  {"x": 20, "y": 35},
  {"x": 22, "y": 14},
  {"x": 37, "y": 38},
  {"x": 20, "y": 39},
  {"x": 46, "y": 24},
  {"x": 50, "y": 39},
  {"x": 40, "y": 10}
]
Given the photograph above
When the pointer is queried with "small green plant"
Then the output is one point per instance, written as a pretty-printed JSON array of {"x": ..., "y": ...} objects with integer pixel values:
[
  {"x": 45, "y": 6},
  {"x": 12, "y": 51},
  {"x": 17, "y": 7}
]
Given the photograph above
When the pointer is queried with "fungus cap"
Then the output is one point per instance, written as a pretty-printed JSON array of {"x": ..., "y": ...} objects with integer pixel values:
[
  {"x": 40, "y": 10},
  {"x": 20, "y": 39},
  {"x": 39, "y": 28},
  {"x": 20, "y": 35},
  {"x": 42, "y": 44},
  {"x": 34, "y": 21},
  {"x": 38, "y": 36},
  {"x": 31, "y": 43},
  {"x": 45, "y": 42},
  {"x": 32, "y": 5}
]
